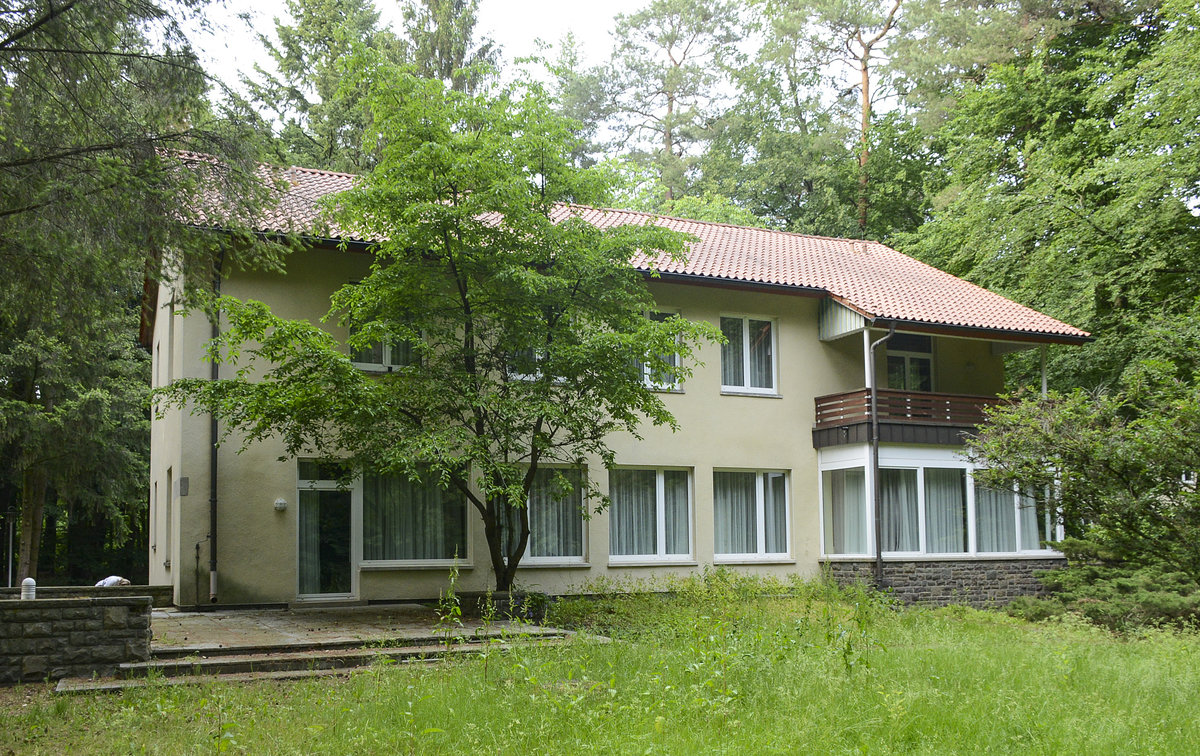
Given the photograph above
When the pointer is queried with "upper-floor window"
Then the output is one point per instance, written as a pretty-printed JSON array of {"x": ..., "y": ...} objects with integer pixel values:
[
  {"x": 663, "y": 380},
  {"x": 384, "y": 355},
  {"x": 748, "y": 356},
  {"x": 910, "y": 362}
]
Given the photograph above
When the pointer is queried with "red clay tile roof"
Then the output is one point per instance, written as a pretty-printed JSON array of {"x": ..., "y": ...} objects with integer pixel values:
[{"x": 868, "y": 277}]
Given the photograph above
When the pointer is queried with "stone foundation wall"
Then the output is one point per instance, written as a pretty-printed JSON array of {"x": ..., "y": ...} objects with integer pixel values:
[
  {"x": 979, "y": 583},
  {"x": 54, "y": 638},
  {"x": 161, "y": 595}
]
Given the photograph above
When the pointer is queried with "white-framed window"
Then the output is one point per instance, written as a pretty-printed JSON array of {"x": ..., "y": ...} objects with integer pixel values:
[
  {"x": 556, "y": 517},
  {"x": 650, "y": 515},
  {"x": 932, "y": 509},
  {"x": 910, "y": 362},
  {"x": 408, "y": 522},
  {"x": 383, "y": 356},
  {"x": 750, "y": 515},
  {"x": 661, "y": 380},
  {"x": 748, "y": 362}
]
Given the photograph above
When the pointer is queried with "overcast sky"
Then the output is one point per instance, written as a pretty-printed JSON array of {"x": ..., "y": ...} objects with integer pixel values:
[{"x": 515, "y": 24}]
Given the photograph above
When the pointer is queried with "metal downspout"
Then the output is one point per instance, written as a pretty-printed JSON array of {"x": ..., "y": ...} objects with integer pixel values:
[
  {"x": 212, "y": 457},
  {"x": 876, "y": 507}
]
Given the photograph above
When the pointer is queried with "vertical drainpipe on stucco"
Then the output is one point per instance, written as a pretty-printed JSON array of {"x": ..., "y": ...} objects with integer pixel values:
[
  {"x": 212, "y": 454},
  {"x": 876, "y": 509}
]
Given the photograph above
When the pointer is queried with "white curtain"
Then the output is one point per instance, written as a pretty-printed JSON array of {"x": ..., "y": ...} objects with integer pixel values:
[
  {"x": 403, "y": 519},
  {"x": 775, "y": 512},
  {"x": 675, "y": 512},
  {"x": 735, "y": 523},
  {"x": 994, "y": 524},
  {"x": 945, "y": 511},
  {"x": 761, "y": 373},
  {"x": 633, "y": 526},
  {"x": 555, "y": 520},
  {"x": 898, "y": 499},
  {"x": 732, "y": 369},
  {"x": 310, "y": 542},
  {"x": 1035, "y": 526},
  {"x": 845, "y": 511}
]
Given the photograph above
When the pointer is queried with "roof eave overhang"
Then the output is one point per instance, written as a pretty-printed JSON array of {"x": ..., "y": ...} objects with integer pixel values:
[
  {"x": 979, "y": 332},
  {"x": 691, "y": 279}
]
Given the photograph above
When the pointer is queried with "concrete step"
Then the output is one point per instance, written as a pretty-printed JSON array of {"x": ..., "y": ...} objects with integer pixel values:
[
  {"x": 118, "y": 684},
  {"x": 430, "y": 639}
]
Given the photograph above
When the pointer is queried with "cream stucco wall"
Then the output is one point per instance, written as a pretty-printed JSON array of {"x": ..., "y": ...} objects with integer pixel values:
[{"x": 257, "y": 544}]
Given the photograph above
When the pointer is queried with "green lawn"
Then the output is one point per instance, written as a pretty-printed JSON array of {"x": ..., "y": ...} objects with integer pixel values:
[{"x": 722, "y": 666}]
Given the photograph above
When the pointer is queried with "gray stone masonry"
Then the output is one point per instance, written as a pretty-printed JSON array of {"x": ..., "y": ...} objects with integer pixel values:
[
  {"x": 980, "y": 583},
  {"x": 48, "y": 639},
  {"x": 162, "y": 595}
]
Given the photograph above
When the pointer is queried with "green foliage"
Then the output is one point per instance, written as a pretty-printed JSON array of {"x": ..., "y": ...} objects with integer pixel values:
[
  {"x": 528, "y": 325},
  {"x": 1122, "y": 464},
  {"x": 439, "y": 43}
]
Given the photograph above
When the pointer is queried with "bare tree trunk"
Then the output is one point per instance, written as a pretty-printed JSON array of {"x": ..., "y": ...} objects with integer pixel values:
[
  {"x": 668, "y": 144},
  {"x": 33, "y": 500},
  {"x": 865, "y": 152}
]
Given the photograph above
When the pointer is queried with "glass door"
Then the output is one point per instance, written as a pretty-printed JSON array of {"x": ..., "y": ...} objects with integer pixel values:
[{"x": 325, "y": 558}]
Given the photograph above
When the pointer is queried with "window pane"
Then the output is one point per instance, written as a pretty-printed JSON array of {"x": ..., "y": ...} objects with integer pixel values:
[
  {"x": 732, "y": 370},
  {"x": 775, "y": 512},
  {"x": 994, "y": 524},
  {"x": 1036, "y": 524},
  {"x": 945, "y": 511},
  {"x": 898, "y": 499},
  {"x": 324, "y": 558},
  {"x": 845, "y": 500},
  {"x": 735, "y": 526},
  {"x": 402, "y": 354},
  {"x": 895, "y": 372},
  {"x": 633, "y": 527},
  {"x": 761, "y": 372},
  {"x": 555, "y": 521},
  {"x": 675, "y": 490},
  {"x": 920, "y": 374},
  {"x": 403, "y": 519}
]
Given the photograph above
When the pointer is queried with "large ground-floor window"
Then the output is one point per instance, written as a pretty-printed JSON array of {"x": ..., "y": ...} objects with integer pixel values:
[
  {"x": 931, "y": 509},
  {"x": 750, "y": 515},
  {"x": 556, "y": 510},
  {"x": 649, "y": 515},
  {"x": 412, "y": 520}
]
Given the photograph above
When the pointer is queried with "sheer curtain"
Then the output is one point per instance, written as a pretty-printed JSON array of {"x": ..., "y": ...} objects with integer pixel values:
[
  {"x": 403, "y": 519},
  {"x": 775, "y": 512},
  {"x": 761, "y": 373},
  {"x": 555, "y": 520},
  {"x": 898, "y": 489},
  {"x": 732, "y": 370},
  {"x": 675, "y": 511},
  {"x": 994, "y": 524},
  {"x": 735, "y": 526},
  {"x": 633, "y": 526},
  {"x": 1035, "y": 525},
  {"x": 945, "y": 511},
  {"x": 310, "y": 542},
  {"x": 845, "y": 502}
]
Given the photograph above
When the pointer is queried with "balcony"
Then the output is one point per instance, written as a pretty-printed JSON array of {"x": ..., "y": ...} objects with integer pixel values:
[{"x": 905, "y": 417}]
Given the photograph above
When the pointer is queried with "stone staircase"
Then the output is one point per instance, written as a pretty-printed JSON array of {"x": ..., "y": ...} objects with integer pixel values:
[{"x": 191, "y": 665}]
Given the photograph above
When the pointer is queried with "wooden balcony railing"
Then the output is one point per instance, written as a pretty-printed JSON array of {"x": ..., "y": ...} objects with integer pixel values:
[{"x": 902, "y": 407}]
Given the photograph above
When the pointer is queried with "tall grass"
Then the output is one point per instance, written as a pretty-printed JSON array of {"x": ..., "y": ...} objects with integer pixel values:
[{"x": 721, "y": 664}]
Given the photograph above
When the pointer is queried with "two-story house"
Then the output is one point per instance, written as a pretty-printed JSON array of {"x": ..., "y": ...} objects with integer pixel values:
[{"x": 773, "y": 471}]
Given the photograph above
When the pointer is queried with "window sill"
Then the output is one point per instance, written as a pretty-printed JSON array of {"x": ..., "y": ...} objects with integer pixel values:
[
  {"x": 759, "y": 394},
  {"x": 654, "y": 563},
  {"x": 441, "y": 564},
  {"x": 754, "y": 560},
  {"x": 554, "y": 565},
  {"x": 991, "y": 556}
]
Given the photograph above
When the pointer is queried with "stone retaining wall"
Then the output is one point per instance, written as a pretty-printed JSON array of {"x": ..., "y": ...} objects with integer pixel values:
[
  {"x": 50, "y": 639},
  {"x": 161, "y": 595},
  {"x": 979, "y": 583}
]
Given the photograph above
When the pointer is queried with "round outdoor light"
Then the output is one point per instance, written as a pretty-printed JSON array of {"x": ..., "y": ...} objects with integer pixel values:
[{"x": 280, "y": 504}]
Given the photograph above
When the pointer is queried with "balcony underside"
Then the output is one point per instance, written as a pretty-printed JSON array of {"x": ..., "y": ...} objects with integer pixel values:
[{"x": 905, "y": 417}]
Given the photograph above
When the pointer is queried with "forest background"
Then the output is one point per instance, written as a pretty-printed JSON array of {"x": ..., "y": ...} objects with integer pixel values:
[{"x": 1045, "y": 149}]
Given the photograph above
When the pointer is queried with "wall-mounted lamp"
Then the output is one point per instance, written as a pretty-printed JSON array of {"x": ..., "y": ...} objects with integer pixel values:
[{"x": 280, "y": 504}]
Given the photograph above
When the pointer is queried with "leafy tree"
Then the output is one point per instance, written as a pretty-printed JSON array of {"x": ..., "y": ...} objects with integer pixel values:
[
  {"x": 666, "y": 76},
  {"x": 96, "y": 96},
  {"x": 321, "y": 122},
  {"x": 440, "y": 43},
  {"x": 1072, "y": 187},
  {"x": 1122, "y": 463},
  {"x": 528, "y": 326}
]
